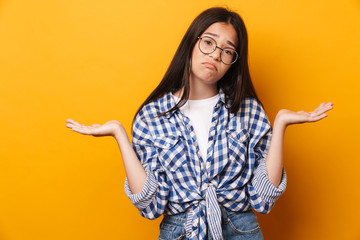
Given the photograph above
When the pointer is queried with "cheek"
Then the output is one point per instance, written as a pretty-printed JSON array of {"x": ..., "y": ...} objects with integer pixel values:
[
  {"x": 224, "y": 69},
  {"x": 195, "y": 56},
  {"x": 196, "y": 61}
]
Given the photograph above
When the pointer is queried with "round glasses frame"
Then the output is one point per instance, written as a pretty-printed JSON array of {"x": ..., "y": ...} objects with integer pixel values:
[{"x": 222, "y": 50}]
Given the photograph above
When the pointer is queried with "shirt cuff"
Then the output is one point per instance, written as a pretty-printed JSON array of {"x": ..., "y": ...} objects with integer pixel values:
[
  {"x": 264, "y": 187},
  {"x": 142, "y": 199}
]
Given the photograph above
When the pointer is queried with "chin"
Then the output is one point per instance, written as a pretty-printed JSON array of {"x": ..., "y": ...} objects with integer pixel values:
[{"x": 205, "y": 78}]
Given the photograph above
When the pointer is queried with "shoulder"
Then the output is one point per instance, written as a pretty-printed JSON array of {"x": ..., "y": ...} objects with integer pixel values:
[
  {"x": 251, "y": 104},
  {"x": 250, "y": 113},
  {"x": 154, "y": 108},
  {"x": 149, "y": 122},
  {"x": 249, "y": 107},
  {"x": 258, "y": 119},
  {"x": 252, "y": 108}
]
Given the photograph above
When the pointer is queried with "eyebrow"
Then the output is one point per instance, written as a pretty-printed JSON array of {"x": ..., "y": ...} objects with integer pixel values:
[{"x": 215, "y": 35}]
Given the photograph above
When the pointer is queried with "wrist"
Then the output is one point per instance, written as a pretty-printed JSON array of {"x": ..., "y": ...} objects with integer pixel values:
[
  {"x": 279, "y": 121},
  {"x": 119, "y": 131}
]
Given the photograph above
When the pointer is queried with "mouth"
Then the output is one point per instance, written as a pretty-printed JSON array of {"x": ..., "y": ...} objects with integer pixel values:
[{"x": 210, "y": 65}]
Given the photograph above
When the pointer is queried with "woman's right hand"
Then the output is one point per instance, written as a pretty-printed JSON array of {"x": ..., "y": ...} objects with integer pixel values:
[
  {"x": 109, "y": 128},
  {"x": 135, "y": 172}
]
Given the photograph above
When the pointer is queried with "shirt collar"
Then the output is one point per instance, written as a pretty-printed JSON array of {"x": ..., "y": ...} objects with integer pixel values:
[{"x": 168, "y": 102}]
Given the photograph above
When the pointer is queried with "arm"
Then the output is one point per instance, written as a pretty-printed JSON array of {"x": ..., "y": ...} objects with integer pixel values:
[
  {"x": 269, "y": 179},
  {"x": 135, "y": 172},
  {"x": 284, "y": 118},
  {"x": 146, "y": 184}
]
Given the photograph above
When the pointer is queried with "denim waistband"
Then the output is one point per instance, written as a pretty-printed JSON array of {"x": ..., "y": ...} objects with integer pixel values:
[{"x": 181, "y": 217}]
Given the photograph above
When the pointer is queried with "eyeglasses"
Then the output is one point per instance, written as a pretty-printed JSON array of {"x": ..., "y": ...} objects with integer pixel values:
[{"x": 208, "y": 45}]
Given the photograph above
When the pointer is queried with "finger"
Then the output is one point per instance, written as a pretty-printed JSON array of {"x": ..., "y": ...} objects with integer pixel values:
[
  {"x": 69, "y": 120},
  {"x": 82, "y": 130},
  {"x": 317, "y": 118},
  {"x": 319, "y": 107},
  {"x": 321, "y": 104},
  {"x": 323, "y": 108},
  {"x": 78, "y": 124},
  {"x": 329, "y": 103},
  {"x": 70, "y": 125}
]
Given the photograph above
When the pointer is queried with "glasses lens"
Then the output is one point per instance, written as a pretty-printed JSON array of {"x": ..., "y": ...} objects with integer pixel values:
[
  {"x": 228, "y": 55},
  {"x": 207, "y": 45}
]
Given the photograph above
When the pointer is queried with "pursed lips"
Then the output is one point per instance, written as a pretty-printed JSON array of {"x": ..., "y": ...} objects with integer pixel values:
[{"x": 210, "y": 65}]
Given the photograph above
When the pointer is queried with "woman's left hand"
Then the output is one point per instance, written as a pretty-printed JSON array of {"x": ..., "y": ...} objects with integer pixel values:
[{"x": 288, "y": 117}]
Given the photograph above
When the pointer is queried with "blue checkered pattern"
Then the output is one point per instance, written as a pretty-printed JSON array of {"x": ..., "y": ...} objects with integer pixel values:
[{"x": 233, "y": 175}]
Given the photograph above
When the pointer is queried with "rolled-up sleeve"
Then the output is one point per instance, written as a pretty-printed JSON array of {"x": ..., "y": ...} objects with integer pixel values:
[
  {"x": 142, "y": 199},
  {"x": 152, "y": 199},
  {"x": 262, "y": 192}
]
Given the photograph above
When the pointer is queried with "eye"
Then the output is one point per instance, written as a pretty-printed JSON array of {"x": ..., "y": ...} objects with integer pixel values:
[
  {"x": 208, "y": 42},
  {"x": 229, "y": 52}
]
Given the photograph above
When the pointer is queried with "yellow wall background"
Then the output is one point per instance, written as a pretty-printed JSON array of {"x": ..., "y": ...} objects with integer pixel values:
[{"x": 94, "y": 61}]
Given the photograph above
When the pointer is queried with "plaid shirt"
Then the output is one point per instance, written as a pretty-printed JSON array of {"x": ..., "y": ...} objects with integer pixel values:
[{"x": 233, "y": 175}]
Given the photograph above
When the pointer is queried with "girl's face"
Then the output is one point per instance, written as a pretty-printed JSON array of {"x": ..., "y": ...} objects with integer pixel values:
[{"x": 208, "y": 68}]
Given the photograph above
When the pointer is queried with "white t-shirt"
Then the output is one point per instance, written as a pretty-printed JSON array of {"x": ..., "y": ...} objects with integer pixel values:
[{"x": 200, "y": 113}]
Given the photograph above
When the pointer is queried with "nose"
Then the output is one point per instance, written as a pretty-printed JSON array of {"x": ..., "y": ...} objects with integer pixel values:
[{"x": 216, "y": 54}]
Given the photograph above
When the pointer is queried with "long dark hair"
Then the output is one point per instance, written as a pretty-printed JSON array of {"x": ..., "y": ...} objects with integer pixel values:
[{"x": 236, "y": 83}]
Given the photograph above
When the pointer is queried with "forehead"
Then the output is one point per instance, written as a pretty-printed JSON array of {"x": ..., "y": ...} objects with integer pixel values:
[{"x": 224, "y": 31}]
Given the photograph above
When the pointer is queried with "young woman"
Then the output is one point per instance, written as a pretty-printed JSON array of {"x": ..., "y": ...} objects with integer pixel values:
[{"x": 203, "y": 151}]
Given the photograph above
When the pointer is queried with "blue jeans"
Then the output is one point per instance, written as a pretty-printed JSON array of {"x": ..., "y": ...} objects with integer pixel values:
[{"x": 235, "y": 226}]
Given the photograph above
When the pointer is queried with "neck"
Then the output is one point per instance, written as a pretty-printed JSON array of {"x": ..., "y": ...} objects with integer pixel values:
[
  {"x": 199, "y": 91},
  {"x": 203, "y": 91}
]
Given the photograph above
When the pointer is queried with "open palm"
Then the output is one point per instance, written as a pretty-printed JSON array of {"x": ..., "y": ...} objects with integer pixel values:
[
  {"x": 97, "y": 130},
  {"x": 290, "y": 117}
]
